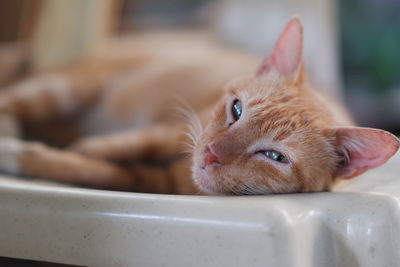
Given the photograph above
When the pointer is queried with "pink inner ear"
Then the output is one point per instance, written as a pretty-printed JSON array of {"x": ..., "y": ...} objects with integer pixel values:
[
  {"x": 287, "y": 53},
  {"x": 366, "y": 148}
]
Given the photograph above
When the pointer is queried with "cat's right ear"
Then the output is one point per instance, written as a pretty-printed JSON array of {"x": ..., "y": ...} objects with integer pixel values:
[
  {"x": 286, "y": 57},
  {"x": 363, "y": 149}
]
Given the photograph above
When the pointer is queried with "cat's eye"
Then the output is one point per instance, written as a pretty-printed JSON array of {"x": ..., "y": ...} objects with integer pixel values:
[
  {"x": 275, "y": 155},
  {"x": 236, "y": 109}
]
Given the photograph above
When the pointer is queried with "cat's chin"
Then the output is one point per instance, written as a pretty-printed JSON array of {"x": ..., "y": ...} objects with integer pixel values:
[{"x": 202, "y": 180}]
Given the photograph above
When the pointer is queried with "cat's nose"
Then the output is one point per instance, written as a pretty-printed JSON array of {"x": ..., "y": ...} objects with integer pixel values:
[{"x": 210, "y": 157}]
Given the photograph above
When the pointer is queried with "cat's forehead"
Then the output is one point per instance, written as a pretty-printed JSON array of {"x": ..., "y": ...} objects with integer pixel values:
[
  {"x": 250, "y": 88},
  {"x": 273, "y": 106}
]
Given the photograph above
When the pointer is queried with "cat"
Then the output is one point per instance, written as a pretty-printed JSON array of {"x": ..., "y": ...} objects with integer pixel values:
[{"x": 113, "y": 120}]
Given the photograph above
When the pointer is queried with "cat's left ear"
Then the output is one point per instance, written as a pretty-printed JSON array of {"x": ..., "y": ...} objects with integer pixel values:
[
  {"x": 363, "y": 149},
  {"x": 286, "y": 57}
]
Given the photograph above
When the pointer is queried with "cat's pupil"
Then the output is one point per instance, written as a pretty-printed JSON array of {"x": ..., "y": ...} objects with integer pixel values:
[
  {"x": 274, "y": 155},
  {"x": 237, "y": 109}
]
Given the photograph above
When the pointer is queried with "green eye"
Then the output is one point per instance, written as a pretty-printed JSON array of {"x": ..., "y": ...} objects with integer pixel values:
[
  {"x": 275, "y": 155},
  {"x": 237, "y": 109}
]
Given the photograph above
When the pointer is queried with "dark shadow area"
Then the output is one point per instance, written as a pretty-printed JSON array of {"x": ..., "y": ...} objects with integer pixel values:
[{"x": 10, "y": 262}]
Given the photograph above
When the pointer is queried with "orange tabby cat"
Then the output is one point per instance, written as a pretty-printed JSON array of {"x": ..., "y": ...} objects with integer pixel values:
[{"x": 268, "y": 132}]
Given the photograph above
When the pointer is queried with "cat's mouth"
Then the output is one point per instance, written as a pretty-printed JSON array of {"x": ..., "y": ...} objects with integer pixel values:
[
  {"x": 206, "y": 169},
  {"x": 203, "y": 180},
  {"x": 204, "y": 176}
]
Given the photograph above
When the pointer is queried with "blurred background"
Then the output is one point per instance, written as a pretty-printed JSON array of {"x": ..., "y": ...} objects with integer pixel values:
[{"x": 351, "y": 46}]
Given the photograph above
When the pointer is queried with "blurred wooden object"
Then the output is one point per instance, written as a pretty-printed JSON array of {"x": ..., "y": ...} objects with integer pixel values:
[
  {"x": 13, "y": 61},
  {"x": 68, "y": 30},
  {"x": 17, "y": 20}
]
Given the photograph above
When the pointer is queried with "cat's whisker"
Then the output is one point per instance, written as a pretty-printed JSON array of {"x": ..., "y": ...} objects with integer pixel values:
[
  {"x": 188, "y": 115},
  {"x": 187, "y": 144},
  {"x": 193, "y": 133},
  {"x": 235, "y": 192},
  {"x": 189, "y": 150},
  {"x": 250, "y": 189},
  {"x": 192, "y": 138}
]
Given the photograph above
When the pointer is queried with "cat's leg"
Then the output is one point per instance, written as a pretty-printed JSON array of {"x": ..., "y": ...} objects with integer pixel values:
[
  {"x": 173, "y": 178},
  {"x": 154, "y": 142},
  {"x": 44, "y": 96},
  {"x": 9, "y": 126},
  {"x": 37, "y": 160},
  {"x": 157, "y": 156},
  {"x": 60, "y": 92}
]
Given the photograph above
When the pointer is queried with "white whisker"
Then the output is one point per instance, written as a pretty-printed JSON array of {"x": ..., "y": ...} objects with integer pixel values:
[{"x": 188, "y": 115}]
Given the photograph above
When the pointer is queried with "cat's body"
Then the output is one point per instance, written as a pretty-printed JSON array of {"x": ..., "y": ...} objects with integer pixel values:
[
  {"x": 127, "y": 134},
  {"x": 133, "y": 84}
]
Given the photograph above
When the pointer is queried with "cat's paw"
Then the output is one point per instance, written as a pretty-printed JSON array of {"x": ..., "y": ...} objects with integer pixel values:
[
  {"x": 10, "y": 151},
  {"x": 88, "y": 147},
  {"x": 9, "y": 126}
]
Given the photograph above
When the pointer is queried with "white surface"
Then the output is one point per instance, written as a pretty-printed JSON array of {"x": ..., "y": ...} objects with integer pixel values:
[{"x": 100, "y": 228}]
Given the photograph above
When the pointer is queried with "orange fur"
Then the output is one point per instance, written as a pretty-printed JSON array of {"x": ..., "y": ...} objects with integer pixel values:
[{"x": 127, "y": 136}]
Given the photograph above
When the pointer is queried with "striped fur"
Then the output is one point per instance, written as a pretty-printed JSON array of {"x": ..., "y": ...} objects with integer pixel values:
[{"x": 123, "y": 132}]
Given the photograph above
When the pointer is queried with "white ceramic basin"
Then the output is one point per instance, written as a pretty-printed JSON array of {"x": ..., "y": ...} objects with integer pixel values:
[{"x": 100, "y": 228}]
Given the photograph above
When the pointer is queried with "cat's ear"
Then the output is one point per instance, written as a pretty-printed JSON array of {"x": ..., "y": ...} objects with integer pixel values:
[
  {"x": 286, "y": 57},
  {"x": 363, "y": 149}
]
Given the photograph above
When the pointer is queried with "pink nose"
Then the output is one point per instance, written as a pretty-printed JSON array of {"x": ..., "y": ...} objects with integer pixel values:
[{"x": 210, "y": 157}]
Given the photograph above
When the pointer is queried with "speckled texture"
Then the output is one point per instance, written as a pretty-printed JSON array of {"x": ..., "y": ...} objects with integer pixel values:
[{"x": 100, "y": 228}]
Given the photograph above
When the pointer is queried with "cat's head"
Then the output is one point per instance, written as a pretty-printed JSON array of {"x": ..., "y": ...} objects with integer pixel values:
[{"x": 271, "y": 134}]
